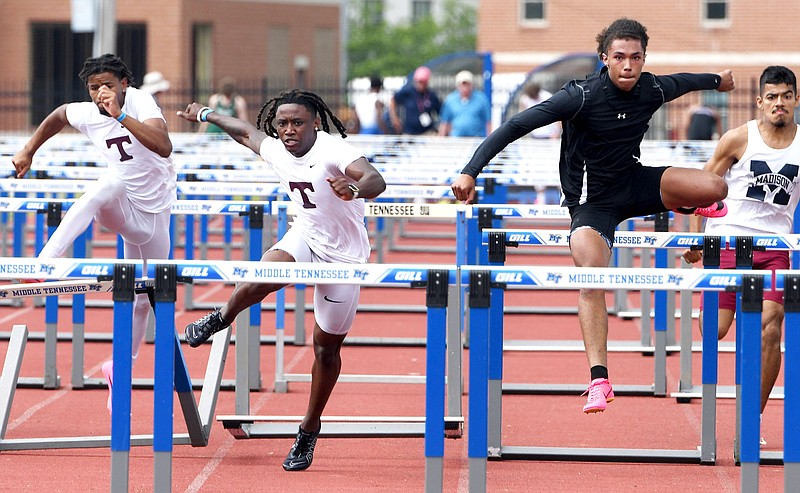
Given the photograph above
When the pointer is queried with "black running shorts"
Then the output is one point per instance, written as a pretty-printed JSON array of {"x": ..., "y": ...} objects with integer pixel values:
[{"x": 638, "y": 194}]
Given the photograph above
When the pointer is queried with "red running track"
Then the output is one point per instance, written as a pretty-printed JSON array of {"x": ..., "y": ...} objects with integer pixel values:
[{"x": 380, "y": 464}]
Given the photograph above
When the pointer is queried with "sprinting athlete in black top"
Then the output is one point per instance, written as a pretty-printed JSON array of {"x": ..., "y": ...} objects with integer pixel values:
[
  {"x": 603, "y": 181},
  {"x": 603, "y": 128}
]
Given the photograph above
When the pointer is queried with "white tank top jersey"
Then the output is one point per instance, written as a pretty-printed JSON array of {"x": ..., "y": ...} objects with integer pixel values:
[
  {"x": 150, "y": 179},
  {"x": 333, "y": 228},
  {"x": 365, "y": 109},
  {"x": 762, "y": 189}
]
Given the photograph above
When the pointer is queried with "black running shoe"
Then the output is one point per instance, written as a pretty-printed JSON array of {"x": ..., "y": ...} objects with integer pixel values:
[
  {"x": 198, "y": 332},
  {"x": 302, "y": 452}
]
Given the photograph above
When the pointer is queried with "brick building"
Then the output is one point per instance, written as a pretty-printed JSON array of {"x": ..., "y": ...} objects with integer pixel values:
[
  {"x": 268, "y": 45},
  {"x": 685, "y": 35},
  {"x": 263, "y": 44}
]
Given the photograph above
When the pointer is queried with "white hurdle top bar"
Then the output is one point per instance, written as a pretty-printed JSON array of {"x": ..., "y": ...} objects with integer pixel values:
[
  {"x": 618, "y": 278},
  {"x": 238, "y": 207},
  {"x": 13, "y": 185},
  {"x": 372, "y": 209},
  {"x": 632, "y": 239},
  {"x": 511, "y": 276},
  {"x": 63, "y": 268}
]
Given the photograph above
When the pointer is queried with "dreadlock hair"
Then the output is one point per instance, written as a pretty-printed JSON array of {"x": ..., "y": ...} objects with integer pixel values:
[
  {"x": 311, "y": 101},
  {"x": 106, "y": 63},
  {"x": 621, "y": 29}
]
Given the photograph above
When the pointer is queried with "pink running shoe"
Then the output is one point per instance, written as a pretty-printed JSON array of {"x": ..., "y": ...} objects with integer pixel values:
[
  {"x": 600, "y": 393},
  {"x": 108, "y": 373},
  {"x": 717, "y": 209}
]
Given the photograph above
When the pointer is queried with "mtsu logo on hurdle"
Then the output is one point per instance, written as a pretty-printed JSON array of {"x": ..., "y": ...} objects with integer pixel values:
[
  {"x": 634, "y": 239},
  {"x": 186, "y": 206}
]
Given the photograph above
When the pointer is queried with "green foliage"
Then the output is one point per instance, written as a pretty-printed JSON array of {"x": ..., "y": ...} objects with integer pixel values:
[{"x": 375, "y": 47}]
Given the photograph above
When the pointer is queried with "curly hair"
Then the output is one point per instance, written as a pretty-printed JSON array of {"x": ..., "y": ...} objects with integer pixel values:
[
  {"x": 621, "y": 29},
  {"x": 106, "y": 63},
  {"x": 311, "y": 101}
]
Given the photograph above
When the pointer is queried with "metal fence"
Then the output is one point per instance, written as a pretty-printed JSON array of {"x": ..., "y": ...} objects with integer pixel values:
[{"x": 20, "y": 111}]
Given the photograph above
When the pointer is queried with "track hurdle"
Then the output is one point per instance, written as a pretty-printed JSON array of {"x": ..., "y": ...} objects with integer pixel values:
[
  {"x": 749, "y": 395},
  {"x": 748, "y": 410},
  {"x": 209, "y": 189},
  {"x": 252, "y": 210},
  {"x": 392, "y": 192},
  {"x": 487, "y": 216},
  {"x": 744, "y": 247},
  {"x": 454, "y": 321},
  {"x": 486, "y": 357},
  {"x": 214, "y": 207},
  {"x": 376, "y": 210},
  {"x": 436, "y": 281},
  {"x": 21, "y": 269},
  {"x": 498, "y": 239},
  {"x": 547, "y": 214},
  {"x": 228, "y": 208},
  {"x": 121, "y": 278},
  {"x": 490, "y": 216},
  {"x": 282, "y": 379},
  {"x": 10, "y": 375},
  {"x": 687, "y": 391}
]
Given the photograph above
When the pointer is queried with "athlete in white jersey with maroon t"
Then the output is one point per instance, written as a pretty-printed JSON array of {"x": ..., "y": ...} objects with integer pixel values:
[
  {"x": 326, "y": 179},
  {"x": 135, "y": 197},
  {"x": 760, "y": 161}
]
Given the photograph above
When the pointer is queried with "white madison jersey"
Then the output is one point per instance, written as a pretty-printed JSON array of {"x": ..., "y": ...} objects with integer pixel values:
[
  {"x": 762, "y": 189},
  {"x": 333, "y": 228},
  {"x": 149, "y": 178}
]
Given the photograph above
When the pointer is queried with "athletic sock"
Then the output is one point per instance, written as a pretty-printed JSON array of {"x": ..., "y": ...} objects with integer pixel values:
[{"x": 599, "y": 371}]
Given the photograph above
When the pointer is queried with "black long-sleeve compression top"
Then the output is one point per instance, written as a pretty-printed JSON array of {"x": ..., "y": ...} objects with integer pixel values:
[{"x": 603, "y": 127}]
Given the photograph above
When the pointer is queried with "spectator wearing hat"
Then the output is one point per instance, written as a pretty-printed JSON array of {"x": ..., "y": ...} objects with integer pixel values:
[
  {"x": 419, "y": 106},
  {"x": 466, "y": 112},
  {"x": 155, "y": 84}
]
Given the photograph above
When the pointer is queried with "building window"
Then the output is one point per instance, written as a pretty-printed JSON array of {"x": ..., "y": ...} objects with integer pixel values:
[
  {"x": 202, "y": 74},
  {"x": 715, "y": 14},
  {"x": 715, "y": 10},
  {"x": 533, "y": 11},
  {"x": 420, "y": 9}
]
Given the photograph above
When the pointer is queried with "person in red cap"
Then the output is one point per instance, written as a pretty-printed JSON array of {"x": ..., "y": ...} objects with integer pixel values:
[{"x": 414, "y": 109}]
